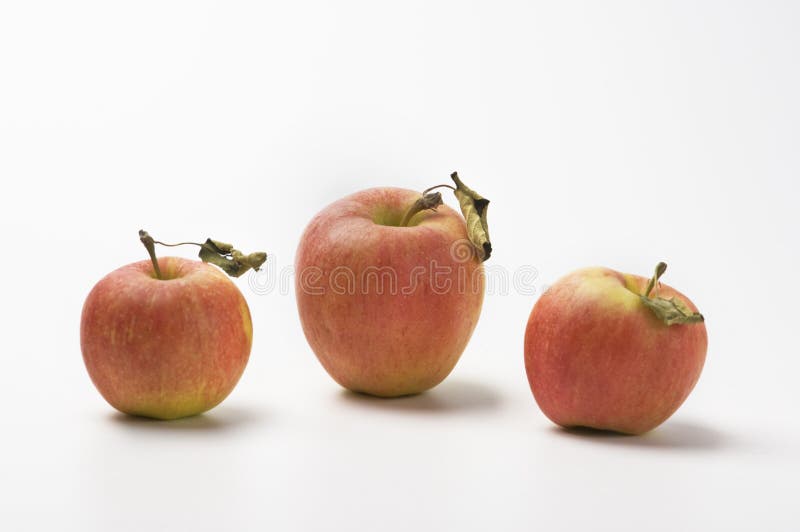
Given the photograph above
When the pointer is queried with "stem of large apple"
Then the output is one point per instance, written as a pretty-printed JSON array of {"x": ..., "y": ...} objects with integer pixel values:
[
  {"x": 671, "y": 311},
  {"x": 473, "y": 207},
  {"x": 661, "y": 267},
  {"x": 149, "y": 245},
  {"x": 428, "y": 200},
  {"x": 434, "y": 187}
]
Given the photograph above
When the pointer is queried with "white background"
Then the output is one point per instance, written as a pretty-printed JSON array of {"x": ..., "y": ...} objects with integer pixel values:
[{"x": 608, "y": 133}]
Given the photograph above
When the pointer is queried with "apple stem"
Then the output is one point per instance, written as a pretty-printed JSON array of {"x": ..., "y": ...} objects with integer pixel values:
[
  {"x": 434, "y": 187},
  {"x": 149, "y": 245},
  {"x": 473, "y": 207},
  {"x": 661, "y": 267},
  {"x": 428, "y": 201},
  {"x": 178, "y": 244},
  {"x": 225, "y": 256},
  {"x": 671, "y": 311}
]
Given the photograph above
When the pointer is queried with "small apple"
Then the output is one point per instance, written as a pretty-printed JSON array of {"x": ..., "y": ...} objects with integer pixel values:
[
  {"x": 389, "y": 292},
  {"x": 166, "y": 338},
  {"x": 612, "y": 351}
]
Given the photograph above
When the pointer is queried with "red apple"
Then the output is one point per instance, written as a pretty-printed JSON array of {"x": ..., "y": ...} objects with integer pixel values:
[
  {"x": 387, "y": 309},
  {"x": 165, "y": 348},
  {"x": 599, "y": 354}
]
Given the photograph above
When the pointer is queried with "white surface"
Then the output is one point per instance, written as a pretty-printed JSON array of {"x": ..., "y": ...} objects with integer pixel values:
[{"x": 612, "y": 133}]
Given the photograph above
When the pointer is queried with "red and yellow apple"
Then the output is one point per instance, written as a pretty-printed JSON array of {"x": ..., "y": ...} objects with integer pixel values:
[
  {"x": 165, "y": 348},
  {"x": 388, "y": 309},
  {"x": 600, "y": 353}
]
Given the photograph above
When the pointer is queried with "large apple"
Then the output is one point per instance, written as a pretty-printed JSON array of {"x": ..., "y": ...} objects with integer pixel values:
[
  {"x": 388, "y": 300},
  {"x": 165, "y": 348},
  {"x": 612, "y": 351}
]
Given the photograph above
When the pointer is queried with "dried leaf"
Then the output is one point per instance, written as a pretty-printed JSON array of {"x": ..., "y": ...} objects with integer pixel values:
[
  {"x": 230, "y": 260},
  {"x": 474, "y": 207},
  {"x": 222, "y": 247},
  {"x": 671, "y": 311}
]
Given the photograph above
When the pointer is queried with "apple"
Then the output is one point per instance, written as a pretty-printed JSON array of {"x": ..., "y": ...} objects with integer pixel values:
[
  {"x": 611, "y": 351},
  {"x": 165, "y": 348},
  {"x": 388, "y": 298}
]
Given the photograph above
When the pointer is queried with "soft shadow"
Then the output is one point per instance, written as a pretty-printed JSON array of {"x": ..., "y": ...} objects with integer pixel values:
[
  {"x": 217, "y": 420},
  {"x": 449, "y": 397},
  {"x": 672, "y": 435}
]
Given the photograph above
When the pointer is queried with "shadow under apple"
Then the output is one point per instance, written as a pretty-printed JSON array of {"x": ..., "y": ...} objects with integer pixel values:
[
  {"x": 452, "y": 396},
  {"x": 219, "y": 419},
  {"x": 672, "y": 435}
]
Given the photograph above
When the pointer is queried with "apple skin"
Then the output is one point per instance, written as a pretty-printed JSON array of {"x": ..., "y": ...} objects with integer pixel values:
[
  {"x": 165, "y": 348},
  {"x": 402, "y": 341},
  {"x": 597, "y": 357}
]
